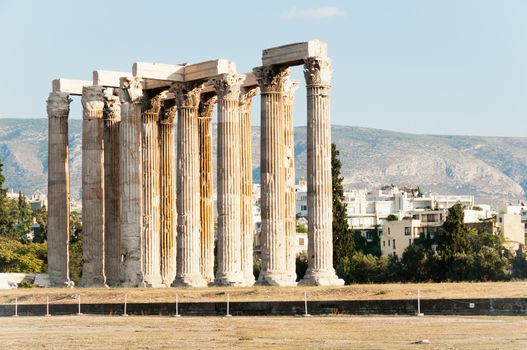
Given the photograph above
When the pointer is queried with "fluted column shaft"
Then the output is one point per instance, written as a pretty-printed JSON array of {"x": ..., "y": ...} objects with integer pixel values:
[
  {"x": 131, "y": 184},
  {"x": 188, "y": 272},
  {"x": 93, "y": 214},
  {"x": 168, "y": 194},
  {"x": 58, "y": 108},
  {"x": 246, "y": 203},
  {"x": 320, "y": 270},
  {"x": 228, "y": 171},
  {"x": 112, "y": 120},
  {"x": 274, "y": 270},
  {"x": 290, "y": 193},
  {"x": 206, "y": 109},
  {"x": 151, "y": 192}
]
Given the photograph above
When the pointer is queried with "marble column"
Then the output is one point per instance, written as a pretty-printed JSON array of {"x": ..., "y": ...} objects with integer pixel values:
[
  {"x": 131, "y": 184},
  {"x": 58, "y": 108},
  {"x": 112, "y": 119},
  {"x": 246, "y": 203},
  {"x": 168, "y": 193},
  {"x": 317, "y": 72},
  {"x": 274, "y": 271},
  {"x": 188, "y": 272},
  {"x": 151, "y": 192},
  {"x": 290, "y": 87},
  {"x": 206, "y": 108},
  {"x": 229, "y": 271},
  {"x": 93, "y": 215}
]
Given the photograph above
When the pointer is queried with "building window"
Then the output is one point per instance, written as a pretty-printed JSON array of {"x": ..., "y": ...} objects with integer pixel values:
[
  {"x": 303, "y": 207},
  {"x": 384, "y": 243},
  {"x": 388, "y": 230},
  {"x": 430, "y": 218},
  {"x": 409, "y": 241},
  {"x": 388, "y": 243},
  {"x": 407, "y": 231},
  {"x": 301, "y": 241},
  {"x": 394, "y": 244}
]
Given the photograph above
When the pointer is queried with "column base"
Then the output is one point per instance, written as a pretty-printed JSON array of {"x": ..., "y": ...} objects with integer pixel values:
[
  {"x": 154, "y": 282},
  {"x": 189, "y": 281},
  {"x": 281, "y": 279},
  {"x": 249, "y": 281},
  {"x": 234, "y": 280},
  {"x": 92, "y": 283},
  {"x": 132, "y": 285},
  {"x": 321, "y": 278}
]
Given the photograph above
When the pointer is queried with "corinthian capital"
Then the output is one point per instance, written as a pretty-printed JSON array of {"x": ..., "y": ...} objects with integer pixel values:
[
  {"x": 151, "y": 107},
  {"x": 290, "y": 87},
  {"x": 169, "y": 113},
  {"x": 317, "y": 71},
  {"x": 58, "y": 105},
  {"x": 131, "y": 90},
  {"x": 112, "y": 105},
  {"x": 187, "y": 94},
  {"x": 246, "y": 96},
  {"x": 206, "y": 106},
  {"x": 92, "y": 102},
  {"x": 228, "y": 86},
  {"x": 271, "y": 78}
]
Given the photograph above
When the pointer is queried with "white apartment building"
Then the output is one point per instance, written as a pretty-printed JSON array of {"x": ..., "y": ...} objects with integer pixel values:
[{"x": 396, "y": 236}]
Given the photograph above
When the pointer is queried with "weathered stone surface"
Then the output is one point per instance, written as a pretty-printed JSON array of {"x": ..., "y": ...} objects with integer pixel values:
[
  {"x": 151, "y": 192},
  {"x": 112, "y": 120},
  {"x": 246, "y": 203},
  {"x": 317, "y": 72},
  {"x": 108, "y": 78},
  {"x": 168, "y": 192},
  {"x": 293, "y": 54},
  {"x": 290, "y": 87},
  {"x": 188, "y": 272},
  {"x": 93, "y": 213},
  {"x": 229, "y": 271},
  {"x": 206, "y": 109},
  {"x": 271, "y": 80},
  {"x": 58, "y": 108},
  {"x": 208, "y": 69},
  {"x": 131, "y": 184},
  {"x": 69, "y": 86},
  {"x": 159, "y": 71}
]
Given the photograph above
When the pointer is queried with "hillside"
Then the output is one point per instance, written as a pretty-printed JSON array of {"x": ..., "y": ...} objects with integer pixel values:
[{"x": 491, "y": 168}]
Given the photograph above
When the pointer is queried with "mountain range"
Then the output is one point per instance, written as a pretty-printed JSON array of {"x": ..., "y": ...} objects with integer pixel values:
[{"x": 493, "y": 169}]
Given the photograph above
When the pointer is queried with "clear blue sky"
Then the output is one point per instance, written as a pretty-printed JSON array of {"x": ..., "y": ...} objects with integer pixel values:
[{"x": 440, "y": 67}]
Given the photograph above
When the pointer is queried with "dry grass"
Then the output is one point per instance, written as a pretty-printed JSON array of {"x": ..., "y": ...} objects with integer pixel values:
[
  {"x": 261, "y": 293},
  {"x": 101, "y": 332}
]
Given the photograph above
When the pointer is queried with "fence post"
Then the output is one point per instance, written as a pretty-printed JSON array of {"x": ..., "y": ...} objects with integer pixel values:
[
  {"x": 47, "y": 306},
  {"x": 16, "y": 307},
  {"x": 419, "y": 303},
  {"x": 306, "y": 314},
  {"x": 125, "y": 301},
  {"x": 177, "y": 306}
]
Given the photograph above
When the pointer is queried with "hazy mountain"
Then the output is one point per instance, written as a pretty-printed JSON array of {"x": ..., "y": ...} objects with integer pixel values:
[{"x": 491, "y": 168}]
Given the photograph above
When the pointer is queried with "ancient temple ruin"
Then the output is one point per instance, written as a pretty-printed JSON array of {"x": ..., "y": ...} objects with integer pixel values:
[{"x": 147, "y": 203}]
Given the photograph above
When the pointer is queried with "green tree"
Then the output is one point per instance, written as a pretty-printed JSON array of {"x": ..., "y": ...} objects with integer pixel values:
[
  {"x": 75, "y": 248},
  {"x": 40, "y": 233},
  {"x": 19, "y": 257},
  {"x": 453, "y": 241},
  {"x": 342, "y": 236},
  {"x": 392, "y": 217}
]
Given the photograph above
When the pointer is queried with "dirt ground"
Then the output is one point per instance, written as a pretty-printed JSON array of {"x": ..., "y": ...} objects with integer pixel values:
[
  {"x": 104, "y": 332},
  {"x": 261, "y": 293}
]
